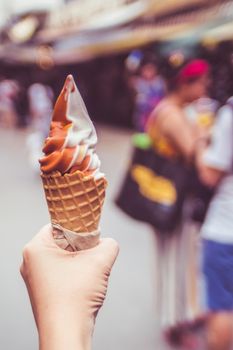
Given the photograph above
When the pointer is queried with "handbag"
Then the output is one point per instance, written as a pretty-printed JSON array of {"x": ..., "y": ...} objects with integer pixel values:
[{"x": 154, "y": 189}]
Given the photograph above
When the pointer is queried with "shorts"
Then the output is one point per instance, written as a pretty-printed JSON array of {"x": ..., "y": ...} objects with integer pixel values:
[{"x": 218, "y": 274}]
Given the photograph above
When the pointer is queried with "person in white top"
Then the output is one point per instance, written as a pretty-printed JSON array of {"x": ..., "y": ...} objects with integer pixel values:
[{"x": 215, "y": 164}]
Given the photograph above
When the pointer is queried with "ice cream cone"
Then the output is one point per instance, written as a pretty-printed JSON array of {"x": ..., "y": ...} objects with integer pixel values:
[
  {"x": 73, "y": 183},
  {"x": 75, "y": 203}
]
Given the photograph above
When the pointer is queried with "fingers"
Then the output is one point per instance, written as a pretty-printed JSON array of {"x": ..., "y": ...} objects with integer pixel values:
[{"x": 107, "y": 250}]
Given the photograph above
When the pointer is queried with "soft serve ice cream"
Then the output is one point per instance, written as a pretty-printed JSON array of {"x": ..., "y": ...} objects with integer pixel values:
[
  {"x": 70, "y": 171},
  {"x": 71, "y": 143}
]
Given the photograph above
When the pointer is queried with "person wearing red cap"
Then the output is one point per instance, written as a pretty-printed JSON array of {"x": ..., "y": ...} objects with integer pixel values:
[
  {"x": 185, "y": 85},
  {"x": 175, "y": 136}
]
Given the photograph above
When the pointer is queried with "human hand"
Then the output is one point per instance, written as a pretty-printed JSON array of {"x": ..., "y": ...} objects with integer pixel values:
[{"x": 66, "y": 289}]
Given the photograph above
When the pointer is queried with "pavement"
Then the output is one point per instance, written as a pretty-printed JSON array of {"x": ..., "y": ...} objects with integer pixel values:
[{"x": 128, "y": 319}]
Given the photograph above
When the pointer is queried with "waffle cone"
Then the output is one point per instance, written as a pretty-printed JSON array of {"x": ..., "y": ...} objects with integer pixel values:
[{"x": 74, "y": 201}]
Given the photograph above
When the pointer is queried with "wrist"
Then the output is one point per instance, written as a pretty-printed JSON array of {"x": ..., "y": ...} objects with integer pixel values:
[{"x": 64, "y": 328}]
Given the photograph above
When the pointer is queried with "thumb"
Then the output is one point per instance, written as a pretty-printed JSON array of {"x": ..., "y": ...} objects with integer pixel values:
[{"x": 44, "y": 238}]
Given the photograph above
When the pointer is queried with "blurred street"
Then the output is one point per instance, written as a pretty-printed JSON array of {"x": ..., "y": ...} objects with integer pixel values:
[{"x": 127, "y": 320}]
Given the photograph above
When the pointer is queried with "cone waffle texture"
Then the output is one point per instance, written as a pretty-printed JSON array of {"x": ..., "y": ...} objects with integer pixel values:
[{"x": 74, "y": 201}]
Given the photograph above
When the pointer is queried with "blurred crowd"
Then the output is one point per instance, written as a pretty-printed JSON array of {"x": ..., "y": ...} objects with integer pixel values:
[
  {"x": 180, "y": 181},
  {"x": 39, "y": 101}
]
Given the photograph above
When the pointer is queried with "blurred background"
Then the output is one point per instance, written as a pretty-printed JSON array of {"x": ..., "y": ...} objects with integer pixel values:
[{"x": 103, "y": 44}]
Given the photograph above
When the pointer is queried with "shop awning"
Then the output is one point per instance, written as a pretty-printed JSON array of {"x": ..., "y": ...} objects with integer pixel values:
[{"x": 122, "y": 28}]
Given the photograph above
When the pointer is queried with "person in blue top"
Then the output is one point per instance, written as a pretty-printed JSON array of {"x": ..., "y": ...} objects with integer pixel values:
[{"x": 149, "y": 89}]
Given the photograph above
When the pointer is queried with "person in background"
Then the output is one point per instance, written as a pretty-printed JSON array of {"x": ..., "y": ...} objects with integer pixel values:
[
  {"x": 215, "y": 165},
  {"x": 149, "y": 88},
  {"x": 40, "y": 107},
  {"x": 66, "y": 289},
  {"x": 9, "y": 90},
  {"x": 174, "y": 136}
]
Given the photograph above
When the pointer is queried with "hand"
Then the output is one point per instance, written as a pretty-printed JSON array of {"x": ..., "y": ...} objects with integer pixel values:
[{"x": 66, "y": 289}]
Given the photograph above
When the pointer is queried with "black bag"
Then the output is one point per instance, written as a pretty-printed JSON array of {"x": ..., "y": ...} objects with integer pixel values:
[{"x": 154, "y": 189}]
